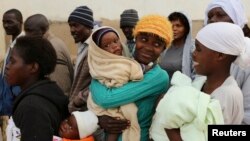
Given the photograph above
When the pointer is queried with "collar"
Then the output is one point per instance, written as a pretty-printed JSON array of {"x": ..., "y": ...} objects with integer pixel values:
[
  {"x": 12, "y": 43},
  {"x": 81, "y": 47}
]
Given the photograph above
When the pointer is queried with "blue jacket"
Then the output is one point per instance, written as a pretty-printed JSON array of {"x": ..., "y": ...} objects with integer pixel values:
[{"x": 7, "y": 95}]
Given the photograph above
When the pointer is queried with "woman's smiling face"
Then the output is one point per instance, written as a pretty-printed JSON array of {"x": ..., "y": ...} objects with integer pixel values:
[
  {"x": 204, "y": 59},
  {"x": 148, "y": 48}
]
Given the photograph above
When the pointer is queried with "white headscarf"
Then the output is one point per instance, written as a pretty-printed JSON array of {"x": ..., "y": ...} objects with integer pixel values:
[
  {"x": 226, "y": 38},
  {"x": 233, "y": 8}
]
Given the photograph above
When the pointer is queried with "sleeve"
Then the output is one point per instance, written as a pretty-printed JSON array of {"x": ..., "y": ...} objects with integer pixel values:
[
  {"x": 246, "y": 97},
  {"x": 155, "y": 82},
  {"x": 231, "y": 101},
  {"x": 79, "y": 102},
  {"x": 63, "y": 73},
  {"x": 35, "y": 124},
  {"x": 79, "y": 88},
  {"x": 62, "y": 77},
  {"x": 7, "y": 95}
]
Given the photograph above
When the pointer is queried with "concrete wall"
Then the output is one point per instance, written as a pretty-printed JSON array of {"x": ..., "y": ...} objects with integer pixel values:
[{"x": 107, "y": 11}]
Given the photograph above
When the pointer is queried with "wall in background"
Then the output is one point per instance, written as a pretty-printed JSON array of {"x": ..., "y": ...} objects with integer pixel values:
[{"x": 107, "y": 11}]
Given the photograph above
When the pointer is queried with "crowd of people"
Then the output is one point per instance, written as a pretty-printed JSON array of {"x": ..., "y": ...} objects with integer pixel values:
[{"x": 160, "y": 84}]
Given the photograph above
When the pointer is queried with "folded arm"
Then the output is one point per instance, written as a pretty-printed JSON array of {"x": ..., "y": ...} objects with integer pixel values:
[{"x": 155, "y": 82}]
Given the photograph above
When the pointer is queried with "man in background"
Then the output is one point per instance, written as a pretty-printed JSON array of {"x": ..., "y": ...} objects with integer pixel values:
[
  {"x": 81, "y": 23},
  {"x": 129, "y": 18},
  {"x": 38, "y": 25},
  {"x": 12, "y": 24}
]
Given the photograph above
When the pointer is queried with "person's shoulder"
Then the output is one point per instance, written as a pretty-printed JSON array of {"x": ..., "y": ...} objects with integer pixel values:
[
  {"x": 30, "y": 104},
  {"x": 237, "y": 71},
  {"x": 38, "y": 105},
  {"x": 230, "y": 84},
  {"x": 156, "y": 67},
  {"x": 59, "y": 41},
  {"x": 158, "y": 72},
  {"x": 56, "y": 41},
  {"x": 32, "y": 100},
  {"x": 230, "y": 89}
]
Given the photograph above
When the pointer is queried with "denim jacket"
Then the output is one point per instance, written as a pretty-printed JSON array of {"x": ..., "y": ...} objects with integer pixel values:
[{"x": 7, "y": 95}]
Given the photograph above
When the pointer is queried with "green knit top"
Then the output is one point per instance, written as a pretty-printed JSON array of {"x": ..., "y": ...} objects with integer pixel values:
[{"x": 143, "y": 93}]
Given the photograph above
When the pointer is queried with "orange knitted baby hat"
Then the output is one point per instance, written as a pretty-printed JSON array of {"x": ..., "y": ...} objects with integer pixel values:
[{"x": 157, "y": 25}]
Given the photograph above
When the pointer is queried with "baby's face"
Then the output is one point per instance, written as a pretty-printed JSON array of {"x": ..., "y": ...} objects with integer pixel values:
[
  {"x": 68, "y": 128},
  {"x": 111, "y": 43}
]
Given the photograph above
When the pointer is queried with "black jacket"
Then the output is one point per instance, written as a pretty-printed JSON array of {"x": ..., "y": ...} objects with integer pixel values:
[{"x": 38, "y": 111}]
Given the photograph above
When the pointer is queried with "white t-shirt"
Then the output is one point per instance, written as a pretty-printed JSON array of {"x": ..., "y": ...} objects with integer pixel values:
[{"x": 12, "y": 132}]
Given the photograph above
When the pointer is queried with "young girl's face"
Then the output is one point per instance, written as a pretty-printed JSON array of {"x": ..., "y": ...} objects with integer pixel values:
[
  {"x": 148, "y": 48},
  {"x": 204, "y": 59},
  {"x": 111, "y": 43},
  {"x": 17, "y": 71},
  {"x": 68, "y": 128}
]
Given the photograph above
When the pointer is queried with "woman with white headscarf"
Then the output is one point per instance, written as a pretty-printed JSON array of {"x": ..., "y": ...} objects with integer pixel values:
[
  {"x": 233, "y": 11},
  {"x": 183, "y": 113},
  {"x": 227, "y": 11},
  {"x": 219, "y": 38}
]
